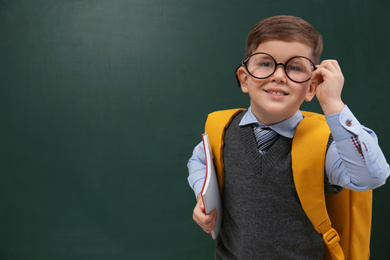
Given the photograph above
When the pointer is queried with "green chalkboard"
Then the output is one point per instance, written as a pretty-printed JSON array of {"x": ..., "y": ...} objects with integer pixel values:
[{"x": 102, "y": 102}]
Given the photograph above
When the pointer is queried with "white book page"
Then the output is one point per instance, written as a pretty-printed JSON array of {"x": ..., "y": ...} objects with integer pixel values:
[{"x": 210, "y": 191}]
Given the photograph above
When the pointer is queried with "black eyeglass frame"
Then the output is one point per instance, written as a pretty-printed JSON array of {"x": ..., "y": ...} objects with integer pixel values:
[{"x": 244, "y": 64}]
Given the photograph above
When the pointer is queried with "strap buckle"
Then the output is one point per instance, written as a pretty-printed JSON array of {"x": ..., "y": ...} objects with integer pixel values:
[{"x": 331, "y": 238}]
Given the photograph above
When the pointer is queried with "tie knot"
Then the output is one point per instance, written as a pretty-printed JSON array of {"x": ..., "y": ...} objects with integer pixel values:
[{"x": 265, "y": 138}]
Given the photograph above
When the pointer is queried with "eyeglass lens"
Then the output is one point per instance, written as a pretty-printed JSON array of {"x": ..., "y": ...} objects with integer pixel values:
[{"x": 262, "y": 66}]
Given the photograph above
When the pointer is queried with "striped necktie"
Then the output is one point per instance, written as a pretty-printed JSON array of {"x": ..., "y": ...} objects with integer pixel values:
[{"x": 265, "y": 138}]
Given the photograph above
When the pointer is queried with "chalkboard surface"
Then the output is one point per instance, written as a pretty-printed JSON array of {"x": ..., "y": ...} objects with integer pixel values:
[{"x": 102, "y": 102}]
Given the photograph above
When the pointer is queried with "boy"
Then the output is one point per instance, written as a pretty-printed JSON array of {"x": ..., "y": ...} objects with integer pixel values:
[{"x": 262, "y": 215}]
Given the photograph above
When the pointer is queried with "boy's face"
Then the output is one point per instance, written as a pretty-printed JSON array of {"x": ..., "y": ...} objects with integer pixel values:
[{"x": 276, "y": 98}]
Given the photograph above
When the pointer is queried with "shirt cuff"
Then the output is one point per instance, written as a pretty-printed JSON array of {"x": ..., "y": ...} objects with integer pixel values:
[{"x": 343, "y": 125}]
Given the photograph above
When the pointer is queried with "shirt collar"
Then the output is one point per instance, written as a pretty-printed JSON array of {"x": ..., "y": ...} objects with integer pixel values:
[{"x": 285, "y": 128}]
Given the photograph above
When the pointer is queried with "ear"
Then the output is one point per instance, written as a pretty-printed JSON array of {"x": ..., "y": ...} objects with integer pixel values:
[
  {"x": 311, "y": 92},
  {"x": 242, "y": 77}
]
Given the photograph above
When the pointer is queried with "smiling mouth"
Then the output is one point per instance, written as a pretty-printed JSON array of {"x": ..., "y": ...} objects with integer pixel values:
[{"x": 276, "y": 93}]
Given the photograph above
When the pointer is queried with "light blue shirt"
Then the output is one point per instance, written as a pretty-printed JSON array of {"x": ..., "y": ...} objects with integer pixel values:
[{"x": 345, "y": 165}]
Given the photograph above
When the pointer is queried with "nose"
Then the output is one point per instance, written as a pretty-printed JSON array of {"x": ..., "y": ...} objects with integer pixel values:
[{"x": 279, "y": 75}]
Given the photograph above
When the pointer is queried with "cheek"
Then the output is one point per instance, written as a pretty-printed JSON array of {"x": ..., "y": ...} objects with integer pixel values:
[
  {"x": 302, "y": 88},
  {"x": 256, "y": 83}
]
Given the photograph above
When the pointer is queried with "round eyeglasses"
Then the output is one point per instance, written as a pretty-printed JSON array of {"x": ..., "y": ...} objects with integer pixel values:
[{"x": 261, "y": 65}]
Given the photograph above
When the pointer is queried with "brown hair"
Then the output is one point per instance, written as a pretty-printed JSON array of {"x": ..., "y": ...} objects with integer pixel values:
[{"x": 285, "y": 28}]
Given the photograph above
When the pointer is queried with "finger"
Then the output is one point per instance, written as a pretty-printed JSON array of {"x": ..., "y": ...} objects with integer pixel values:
[
  {"x": 206, "y": 222},
  {"x": 201, "y": 204},
  {"x": 327, "y": 71},
  {"x": 331, "y": 65},
  {"x": 213, "y": 214},
  {"x": 317, "y": 77},
  {"x": 209, "y": 221},
  {"x": 203, "y": 218}
]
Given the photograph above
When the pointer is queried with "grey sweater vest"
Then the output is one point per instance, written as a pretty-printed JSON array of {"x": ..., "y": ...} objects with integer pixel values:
[{"x": 262, "y": 214}]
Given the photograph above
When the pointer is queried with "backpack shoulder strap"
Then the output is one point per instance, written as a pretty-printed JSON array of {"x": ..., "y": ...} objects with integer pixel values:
[
  {"x": 308, "y": 163},
  {"x": 215, "y": 127}
]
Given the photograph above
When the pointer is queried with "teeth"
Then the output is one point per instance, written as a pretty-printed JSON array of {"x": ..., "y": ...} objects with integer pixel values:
[{"x": 277, "y": 93}]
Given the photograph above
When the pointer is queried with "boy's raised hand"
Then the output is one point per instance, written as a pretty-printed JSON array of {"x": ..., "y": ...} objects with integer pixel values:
[
  {"x": 206, "y": 222},
  {"x": 329, "y": 80}
]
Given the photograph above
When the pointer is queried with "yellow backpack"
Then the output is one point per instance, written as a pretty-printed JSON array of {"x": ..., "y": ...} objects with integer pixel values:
[{"x": 348, "y": 212}]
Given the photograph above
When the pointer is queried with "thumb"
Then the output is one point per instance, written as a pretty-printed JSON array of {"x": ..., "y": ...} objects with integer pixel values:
[{"x": 200, "y": 202}]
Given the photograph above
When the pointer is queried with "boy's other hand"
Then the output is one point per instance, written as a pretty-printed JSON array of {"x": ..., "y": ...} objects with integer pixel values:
[
  {"x": 329, "y": 80},
  {"x": 206, "y": 222}
]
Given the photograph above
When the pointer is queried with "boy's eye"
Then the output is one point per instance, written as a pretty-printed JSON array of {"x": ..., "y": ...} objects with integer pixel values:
[
  {"x": 266, "y": 64},
  {"x": 295, "y": 68}
]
